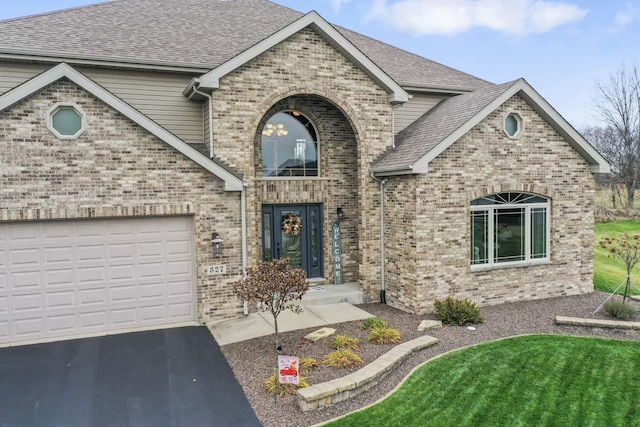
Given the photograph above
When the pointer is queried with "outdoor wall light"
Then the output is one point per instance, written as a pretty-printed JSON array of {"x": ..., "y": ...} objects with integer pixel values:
[
  {"x": 340, "y": 213},
  {"x": 217, "y": 244}
]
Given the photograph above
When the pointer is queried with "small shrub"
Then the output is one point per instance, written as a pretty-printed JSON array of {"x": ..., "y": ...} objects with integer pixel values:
[
  {"x": 342, "y": 359},
  {"x": 373, "y": 323},
  {"x": 273, "y": 386},
  {"x": 307, "y": 364},
  {"x": 453, "y": 311},
  {"x": 620, "y": 310},
  {"x": 343, "y": 342},
  {"x": 384, "y": 336}
]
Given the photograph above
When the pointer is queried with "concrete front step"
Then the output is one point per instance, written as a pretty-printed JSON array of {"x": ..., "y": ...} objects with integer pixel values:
[{"x": 321, "y": 294}]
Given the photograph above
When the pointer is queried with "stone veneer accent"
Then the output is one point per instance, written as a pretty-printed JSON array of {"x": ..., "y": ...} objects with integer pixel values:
[
  {"x": 428, "y": 228},
  {"x": 309, "y": 73},
  {"x": 115, "y": 169}
]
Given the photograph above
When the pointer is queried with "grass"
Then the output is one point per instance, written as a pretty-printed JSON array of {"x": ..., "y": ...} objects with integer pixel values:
[
  {"x": 610, "y": 272},
  {"x": 524, "y": 381}
]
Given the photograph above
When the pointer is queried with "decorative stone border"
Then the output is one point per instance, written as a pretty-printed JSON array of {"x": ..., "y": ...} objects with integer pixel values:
[
  {"x": 598, "y": 323},
  {"x": 334, "y": 391}
]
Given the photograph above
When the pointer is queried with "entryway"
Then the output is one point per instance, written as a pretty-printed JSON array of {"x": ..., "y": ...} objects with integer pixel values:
[{"x": 295, "y": 232}]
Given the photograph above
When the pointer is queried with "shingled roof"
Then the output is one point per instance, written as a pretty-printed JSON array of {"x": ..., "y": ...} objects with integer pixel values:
[
  {"x": 423, "y": 140},
  {"x": 195, "y": 33}
]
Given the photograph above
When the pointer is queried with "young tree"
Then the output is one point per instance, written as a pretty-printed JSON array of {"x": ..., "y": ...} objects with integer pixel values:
[
  {"x": 275, "y": 286},
  {"x": 618, "y": 105},
  {"x": 627, "y": 249}
]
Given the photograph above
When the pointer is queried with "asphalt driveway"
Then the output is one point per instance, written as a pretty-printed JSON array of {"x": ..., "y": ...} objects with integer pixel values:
[{"x": 171, "y": 377}]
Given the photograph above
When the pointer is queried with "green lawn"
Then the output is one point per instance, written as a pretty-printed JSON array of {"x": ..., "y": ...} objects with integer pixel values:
[
  {"x": 609, "y": 272},
  {"x": 537, "y": 380}
]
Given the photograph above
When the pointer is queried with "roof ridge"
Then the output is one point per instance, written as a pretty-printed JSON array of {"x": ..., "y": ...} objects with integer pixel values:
[{"x": 53, "y": 12}]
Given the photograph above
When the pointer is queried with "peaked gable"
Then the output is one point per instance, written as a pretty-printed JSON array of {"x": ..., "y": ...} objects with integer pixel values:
[
  {"x": 211, "y": 80},
  {"x": 232, "y": 182},
  {"x": 439, "y": 128}
]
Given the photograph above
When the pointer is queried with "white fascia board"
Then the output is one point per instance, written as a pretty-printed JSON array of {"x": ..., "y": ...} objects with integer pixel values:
[
  {"x": 597, "y": 162},
  {"x": 211, "y": 80},
  {"x": 232, "y": 182}
]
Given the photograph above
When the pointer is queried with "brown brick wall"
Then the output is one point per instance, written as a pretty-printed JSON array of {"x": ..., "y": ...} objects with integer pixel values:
[
  {"x": 115, "y": 169},
  {"x": 354, "y": 117},
  {"x": 482, "y": 162}
]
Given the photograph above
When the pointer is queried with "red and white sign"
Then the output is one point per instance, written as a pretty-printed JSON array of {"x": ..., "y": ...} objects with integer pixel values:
[{"x": 288, "y": 369}]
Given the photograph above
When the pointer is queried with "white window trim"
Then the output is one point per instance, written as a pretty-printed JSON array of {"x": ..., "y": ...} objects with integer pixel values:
[
  {"x": 318, "y": 149},
  {"x": 76, "y": 107},
  {"x": 527, "y": 261},
  {"x": 520, "y": 121}
]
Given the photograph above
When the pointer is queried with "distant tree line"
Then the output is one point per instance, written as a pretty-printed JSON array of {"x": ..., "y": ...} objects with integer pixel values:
[{"x": 617, "y": 103}]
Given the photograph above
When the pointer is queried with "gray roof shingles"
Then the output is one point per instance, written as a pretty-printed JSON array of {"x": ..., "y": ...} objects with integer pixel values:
[
  {"x": 423, "y": 135},
  {"x": 196, "y": 33}
]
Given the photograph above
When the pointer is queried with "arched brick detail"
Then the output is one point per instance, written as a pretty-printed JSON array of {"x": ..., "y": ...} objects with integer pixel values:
[
  {"x": 513, "y": 187},
  {"x": 312, "y": 90}
]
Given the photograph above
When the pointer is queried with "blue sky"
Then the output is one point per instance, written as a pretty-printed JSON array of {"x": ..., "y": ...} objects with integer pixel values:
[{"x": 562, "y": 48}]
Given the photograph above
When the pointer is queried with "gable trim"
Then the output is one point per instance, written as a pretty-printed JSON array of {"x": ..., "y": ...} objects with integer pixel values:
[
  {"x": 232, "y": 182},
  {"x": 211, "y": 80},
  {"x": 541, "y": 106}
]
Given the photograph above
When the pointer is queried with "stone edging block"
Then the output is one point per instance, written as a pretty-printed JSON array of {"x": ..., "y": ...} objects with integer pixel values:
[
  {"x": 598, "y": 323},
  {"x": 339, "y": 389}
]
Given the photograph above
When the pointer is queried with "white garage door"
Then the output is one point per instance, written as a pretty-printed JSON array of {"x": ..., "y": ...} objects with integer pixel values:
[{"x": 68, "y": 278}]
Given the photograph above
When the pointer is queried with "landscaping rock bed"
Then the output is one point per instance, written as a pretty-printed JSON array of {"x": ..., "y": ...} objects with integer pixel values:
[{"x": 253, "y": 361}]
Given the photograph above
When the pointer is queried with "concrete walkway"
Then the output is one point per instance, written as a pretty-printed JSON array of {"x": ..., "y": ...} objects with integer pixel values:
[{"x": 261, "y": 324}]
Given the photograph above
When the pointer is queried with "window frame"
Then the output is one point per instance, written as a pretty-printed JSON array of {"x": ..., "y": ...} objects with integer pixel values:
[
  {"x": 316, "y": 142},
  {"x": 77, "y": 109},
  {"x": 490, "y": 234},
  {"x": 519, "y": 121}
]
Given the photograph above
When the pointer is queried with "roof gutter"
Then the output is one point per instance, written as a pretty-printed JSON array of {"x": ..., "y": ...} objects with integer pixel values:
[{"x": 193, "y": 85}]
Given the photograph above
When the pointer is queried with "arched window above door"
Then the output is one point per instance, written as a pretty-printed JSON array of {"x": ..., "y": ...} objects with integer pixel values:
[{"x": 289, "y": 146}]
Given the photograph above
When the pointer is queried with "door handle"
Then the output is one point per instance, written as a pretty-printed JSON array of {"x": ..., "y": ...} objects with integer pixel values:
[{"x": 278, "y": 250}]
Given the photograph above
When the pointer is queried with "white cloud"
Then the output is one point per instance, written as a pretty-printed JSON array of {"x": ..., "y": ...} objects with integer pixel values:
[
  {"x": 456, "y": 16},
  {"x": 623, "y": 19},
  {"x": 337, "y": 4}
]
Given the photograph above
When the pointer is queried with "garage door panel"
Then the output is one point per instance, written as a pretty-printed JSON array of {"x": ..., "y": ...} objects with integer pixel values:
[
  {"x": 24, "y": 257},
  {"x": 24, "y": 279},
  {"x": 90, "y": 253},
  {"x": 75, "y": 277}
]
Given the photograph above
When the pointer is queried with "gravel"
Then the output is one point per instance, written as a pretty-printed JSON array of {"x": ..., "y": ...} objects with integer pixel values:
[{"x": 254, "y": 360}]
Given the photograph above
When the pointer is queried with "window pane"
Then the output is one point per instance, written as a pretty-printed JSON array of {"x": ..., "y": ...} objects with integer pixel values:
[
  {"x": 509, "y": 236},
  {"x": 538, "y": 233},
  {"x": 289, "y": 146},
  {"x": 66, "y": 121},
  {"x": 267, "y": 254},
  {"x": 479, "y": 237},
  {"x": 511, "y": 125}
]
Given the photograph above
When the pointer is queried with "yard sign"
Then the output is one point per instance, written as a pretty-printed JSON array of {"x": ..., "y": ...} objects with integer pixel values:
[{"x": 288, "y": 368}]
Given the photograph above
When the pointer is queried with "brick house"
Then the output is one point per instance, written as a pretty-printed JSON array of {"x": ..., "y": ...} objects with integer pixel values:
[{"x": 149, "y": 153}]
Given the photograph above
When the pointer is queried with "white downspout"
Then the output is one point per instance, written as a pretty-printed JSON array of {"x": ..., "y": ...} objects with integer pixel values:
[
  {"x": 243, "y": 213},
  {"x": 243, "y": 198},
  {"x": 383, "y": 260},
  {"x": 210, "y": 98}
]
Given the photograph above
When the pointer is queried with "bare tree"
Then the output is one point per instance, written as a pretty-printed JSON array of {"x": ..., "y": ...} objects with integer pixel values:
[
  {"x": 275, "y": 285},
  {"x": 618, "y": 105}
]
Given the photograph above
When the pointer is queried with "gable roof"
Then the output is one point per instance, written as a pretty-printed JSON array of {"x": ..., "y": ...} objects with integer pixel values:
[
  {"x": 211, "y": 80},
  {"x": 198, "y": 35},
  {"x": 232, "y": 182},
  {"x": 434, "y": 132}
]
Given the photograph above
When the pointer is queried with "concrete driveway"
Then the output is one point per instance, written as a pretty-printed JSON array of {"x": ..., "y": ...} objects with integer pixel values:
[{"x": 171, "y": 377}]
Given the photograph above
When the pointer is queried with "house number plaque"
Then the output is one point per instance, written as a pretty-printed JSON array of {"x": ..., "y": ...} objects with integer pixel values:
[
  {"x": 213, "y": 270},
  {"x": 336, "y": 252}
]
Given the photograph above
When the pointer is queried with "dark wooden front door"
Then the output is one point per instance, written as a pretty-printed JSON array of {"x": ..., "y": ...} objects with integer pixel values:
[{"x": 295, "y": 232}]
